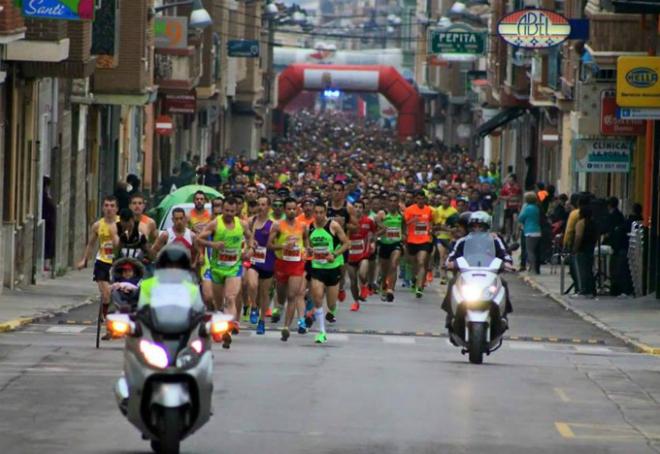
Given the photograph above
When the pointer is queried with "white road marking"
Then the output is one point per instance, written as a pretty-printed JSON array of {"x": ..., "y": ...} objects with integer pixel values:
[
  {"x": 399, "y": 340},
  {"x": 66, "y": 329}
]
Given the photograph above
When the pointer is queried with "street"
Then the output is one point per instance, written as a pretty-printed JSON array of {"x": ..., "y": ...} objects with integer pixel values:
[{"x": 562, "y": 386}]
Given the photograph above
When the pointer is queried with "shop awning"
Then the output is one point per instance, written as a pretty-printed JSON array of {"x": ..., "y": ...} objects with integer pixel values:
[{"x": 498, "y": 120}]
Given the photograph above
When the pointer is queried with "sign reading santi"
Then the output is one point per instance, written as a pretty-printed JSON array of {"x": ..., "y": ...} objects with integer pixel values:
[
  {"x": 637, "y": 83},
  {"x": 534, "y": 28},
  {"x": 58, "y": 9}
]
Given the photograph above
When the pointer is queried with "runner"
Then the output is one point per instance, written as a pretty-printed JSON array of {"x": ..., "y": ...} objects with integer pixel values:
[
  {"x": 340, "y": 211},
  {"x": 328, "y": 243},
  {"x": 181, "y": 235},
  {"x": 132, "y": 242},
  {"x": 390, "y": 224},
  {"x": 147, "y": 225},
  {"x": 418, "y": 219},
  {"x": 259, "y": 276},
  {"x": 361, "y": 239},
  {"x": 199, "y": 216},
  {"x": 105, "y": 231},
  {"x": 443, "y": 232},
  {"x": 288, "y": 238},
  {"x": 229, "y": 239},
  {"x": 277, "y": 214},
  {"x": 197, "y": 221}
]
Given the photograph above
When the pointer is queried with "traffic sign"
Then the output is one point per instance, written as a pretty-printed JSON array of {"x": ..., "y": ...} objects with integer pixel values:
[
  {"x": 243, "y": 48},
  {"x": 164, "y": 125},
  {"x": 457, "y": 39},
  {"x": 638, "y": 113}
]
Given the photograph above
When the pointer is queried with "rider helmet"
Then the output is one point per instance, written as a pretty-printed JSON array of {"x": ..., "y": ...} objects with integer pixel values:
[
  {"x": 174, "y": 256},
  {"x": 480, "y": 218}
]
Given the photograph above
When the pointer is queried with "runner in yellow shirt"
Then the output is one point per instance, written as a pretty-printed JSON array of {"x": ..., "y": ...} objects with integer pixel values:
[{"x": 443, "y": 231}]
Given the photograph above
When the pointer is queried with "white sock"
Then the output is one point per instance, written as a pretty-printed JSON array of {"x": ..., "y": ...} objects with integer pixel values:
[{"x": 321, "y": 319}]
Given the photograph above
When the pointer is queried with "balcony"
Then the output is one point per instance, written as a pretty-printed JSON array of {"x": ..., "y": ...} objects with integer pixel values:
[
  {"x": 12, "y": 25},
  {"x": 611, "y": 32},
  {"x": 178, "y": 70}
]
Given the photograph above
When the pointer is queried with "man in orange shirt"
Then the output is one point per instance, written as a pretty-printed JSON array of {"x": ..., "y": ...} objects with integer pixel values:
[{"x": 418, "y": 218}]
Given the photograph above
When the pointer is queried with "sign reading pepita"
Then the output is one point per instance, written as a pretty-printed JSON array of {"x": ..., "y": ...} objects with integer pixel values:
[{"x": 457, "y": 39}]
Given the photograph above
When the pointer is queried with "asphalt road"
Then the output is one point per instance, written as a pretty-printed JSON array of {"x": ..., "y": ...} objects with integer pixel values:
[{"x": 557, "y": 385}]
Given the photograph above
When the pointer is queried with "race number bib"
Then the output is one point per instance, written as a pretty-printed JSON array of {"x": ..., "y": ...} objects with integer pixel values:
[
  {"x": 320, "y": 254},
  {"x": 357, "y": 247},
  {"x": 393, "y": 233},
  {"x": 259, "y": 256},
  {"x": 107, "y": 249},
  {"x": 421, "y": 228},
  {"x": 228, "y": 257},
  {"x": 291, "y": 254}
]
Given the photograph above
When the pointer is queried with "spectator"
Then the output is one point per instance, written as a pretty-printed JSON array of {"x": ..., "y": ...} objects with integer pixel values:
[
  {"x": 559, "y": 213},
  {"x": 487, "y": 198},
  {"x": 617, "y": 237},
  {"x": 543, "y": 196},
  {"x": 50, "y": 216},
  {"x": 511, "y": 195},
  {"x": 586, "y": 238},
  {"x": 530, "y": 219}
]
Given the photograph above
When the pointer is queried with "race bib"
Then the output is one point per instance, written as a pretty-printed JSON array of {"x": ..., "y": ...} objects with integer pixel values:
[
  {"x": 291, "y": 254},
  {"x": 259, "y": 255},
  {"x": 357, "y": 247},
  {"x": 320, "y": 254},
  {"x": 393, "y": 233},
  {"x": 228, "y": 257},
  {"x": 421, "y": 228},
  {"x": 107, "y": 249}
]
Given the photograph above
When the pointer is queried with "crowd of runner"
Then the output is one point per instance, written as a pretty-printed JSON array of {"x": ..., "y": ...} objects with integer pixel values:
[{"x": 338, "y": 208}]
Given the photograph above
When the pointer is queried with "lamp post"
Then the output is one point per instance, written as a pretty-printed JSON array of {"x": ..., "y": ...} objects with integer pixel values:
[{"x": 199, "y": 17}]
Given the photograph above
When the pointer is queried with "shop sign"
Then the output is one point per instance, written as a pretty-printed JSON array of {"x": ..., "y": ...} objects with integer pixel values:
[
  {"x": 602, "y": 155},
  {"x": 637, "y": 83},
  {"x": 243, "y": 48},
  {"x": 58, "y": 9},
  {"x": 610, "y": 125},
  {"x": 534, "y": 28},
  {"x": 164, "y": 125},
  {"x": 457, "y": 39},
  {"x": 185, "y": 104},
  {"x": 171, "y": 32},
  {"x": 638, "y": 113}
]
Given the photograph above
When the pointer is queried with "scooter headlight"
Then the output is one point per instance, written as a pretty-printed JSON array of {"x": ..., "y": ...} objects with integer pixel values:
[
  {"x": 471, "y": 292},
  {"x": 154, "y": 354}
]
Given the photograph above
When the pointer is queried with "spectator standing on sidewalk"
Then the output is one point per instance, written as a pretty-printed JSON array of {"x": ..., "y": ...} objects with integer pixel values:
[
  {"x": 569, "y": 235},
  {"x": 511, "y": 195},
  {"x": 530, "y": 220},
  {"x": 617, "y": 237},
  {"x": 586, "y": 238}
]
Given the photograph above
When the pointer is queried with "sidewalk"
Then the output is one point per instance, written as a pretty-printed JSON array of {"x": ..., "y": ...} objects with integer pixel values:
[
  {"x": 46, "y": 299},
  {"x": 636, "y": 321}
]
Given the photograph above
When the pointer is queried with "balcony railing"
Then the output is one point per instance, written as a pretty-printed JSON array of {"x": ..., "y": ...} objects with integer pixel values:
[{"x": 178, "y": 70}]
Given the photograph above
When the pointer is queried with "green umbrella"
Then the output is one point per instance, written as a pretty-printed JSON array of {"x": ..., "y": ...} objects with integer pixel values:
[{"x": 184, "y": 194}]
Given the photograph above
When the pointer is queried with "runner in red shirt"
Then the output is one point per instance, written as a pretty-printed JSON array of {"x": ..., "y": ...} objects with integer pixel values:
[
  {"x": 511, "y": 194},
  {"x": 362, "y": 237}
]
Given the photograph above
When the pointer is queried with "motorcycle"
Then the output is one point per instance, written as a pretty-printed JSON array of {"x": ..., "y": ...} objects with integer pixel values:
[
  {"x": 167, "y": 384},
  {"x": 478, "y": 300}
]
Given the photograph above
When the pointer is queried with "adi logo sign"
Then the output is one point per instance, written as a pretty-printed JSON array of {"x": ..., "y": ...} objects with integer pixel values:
[{"x": 58, "y": 9}]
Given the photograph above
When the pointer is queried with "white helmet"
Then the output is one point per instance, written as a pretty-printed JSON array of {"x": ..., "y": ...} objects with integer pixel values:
[{"x": 480, "y": 217}]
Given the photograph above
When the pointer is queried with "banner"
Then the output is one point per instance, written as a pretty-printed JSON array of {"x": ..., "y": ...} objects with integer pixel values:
[{"x": 58, "y": 9}]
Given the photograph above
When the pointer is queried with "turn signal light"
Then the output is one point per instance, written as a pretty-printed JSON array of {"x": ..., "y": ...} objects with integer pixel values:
[{"x": 118, "y": 328}]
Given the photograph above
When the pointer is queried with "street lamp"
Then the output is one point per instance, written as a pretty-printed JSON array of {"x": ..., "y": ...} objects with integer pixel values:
[{"x": 199, "y": 17}]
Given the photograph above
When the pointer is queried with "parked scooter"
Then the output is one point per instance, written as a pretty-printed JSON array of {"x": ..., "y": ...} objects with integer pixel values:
[
  {"x": 478, "y": 300},
  {"x": 167, "y": 384}
]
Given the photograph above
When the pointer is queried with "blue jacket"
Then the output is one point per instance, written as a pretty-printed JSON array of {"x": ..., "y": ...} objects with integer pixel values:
[{"x": 530, "y": 218}]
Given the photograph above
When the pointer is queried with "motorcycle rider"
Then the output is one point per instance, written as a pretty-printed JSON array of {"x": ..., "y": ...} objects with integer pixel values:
[
  {"x": 479, "y": 222},
  {"x": 173, "y": 256}
]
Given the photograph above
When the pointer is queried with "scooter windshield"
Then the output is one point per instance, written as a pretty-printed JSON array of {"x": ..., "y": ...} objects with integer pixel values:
[
  {"x": 172, "y": 302},
  {"x": 479, "y": 249}
]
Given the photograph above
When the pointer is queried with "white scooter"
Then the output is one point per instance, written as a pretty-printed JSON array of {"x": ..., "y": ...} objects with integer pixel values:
[
  {"x": 478, "y": 300},
  {"x": 166, "y": 388}
]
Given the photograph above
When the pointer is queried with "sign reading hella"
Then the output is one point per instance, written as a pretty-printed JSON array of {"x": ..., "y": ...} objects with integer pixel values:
[
  {"x": 534, "y": 28},
  {"x": 59, "y": 9},
  {"x": 322, "y": 79}
]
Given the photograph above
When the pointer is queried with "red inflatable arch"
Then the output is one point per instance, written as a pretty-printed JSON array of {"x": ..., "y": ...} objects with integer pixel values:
[{"x": 357, "y": 78}]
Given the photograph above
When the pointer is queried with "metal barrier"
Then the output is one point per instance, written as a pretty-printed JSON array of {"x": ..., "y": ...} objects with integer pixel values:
[{"x": 636, "y": 256}]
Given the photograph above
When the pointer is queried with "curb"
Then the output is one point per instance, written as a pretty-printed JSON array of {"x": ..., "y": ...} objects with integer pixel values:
[
  {"x": 17, "y": 323},
  {"x": 638, "y": 346}
]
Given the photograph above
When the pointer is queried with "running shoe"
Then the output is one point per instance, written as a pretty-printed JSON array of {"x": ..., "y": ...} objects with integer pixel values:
[
  {"x": 342, "y": 295},
  {"x": 355, "y": 307},
  {"x": 364, "y": 293},
  {"x": 269, "y": 312},
  {"x": 246, "y": 317},
  {"x": 419, "y": 293},
  {"x": 390, "y": 297},
  {"x": 235, "y": 327},
  {"x": 321, "y": 338},
  {"x": 226, "y": 340},
  {"x": 330, "y": 317},
  {"x": 254, "y": 316},
  {"x": 285, "y": 335},
  {"x": 276, "y": 315},
  {"x": 309, "y": 319},
  {"x": 261, "y": 327},
  {"x": 302, "y": 326},
  {"x": 383, "y": 296}
]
